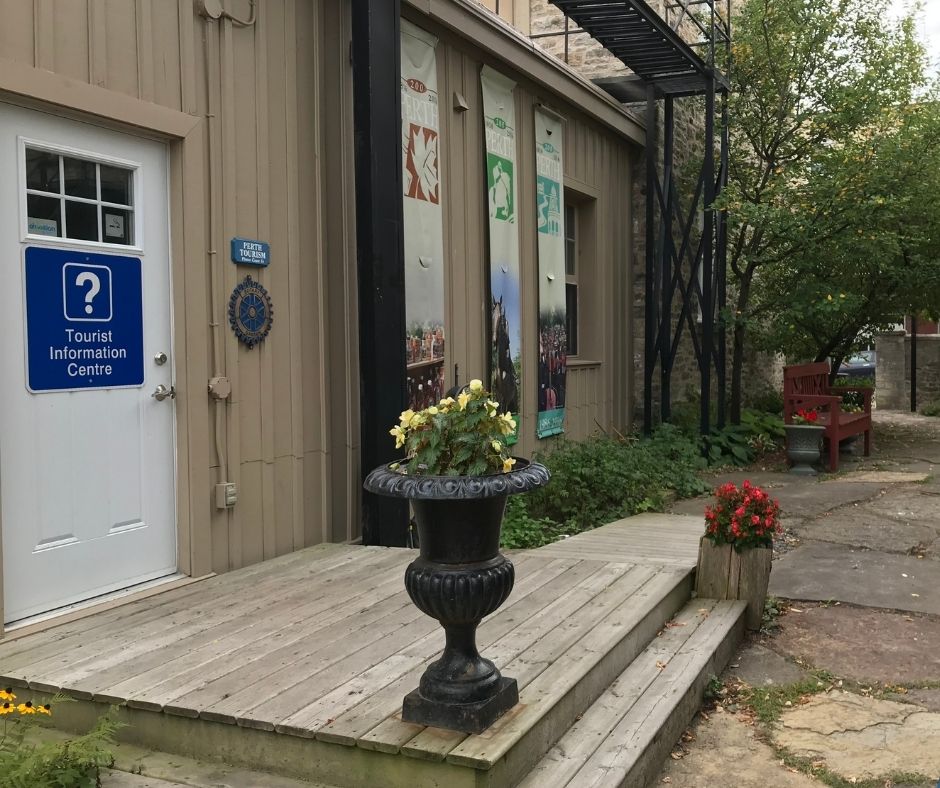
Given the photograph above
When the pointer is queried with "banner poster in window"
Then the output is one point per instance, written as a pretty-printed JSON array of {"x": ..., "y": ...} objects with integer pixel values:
[
  {"x": 553, "y": 338},
  {"x": 499, "y": 126},
  {"x": 424, "y": 229}
]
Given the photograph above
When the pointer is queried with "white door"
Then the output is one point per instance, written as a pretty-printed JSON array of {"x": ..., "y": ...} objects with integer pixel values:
[{"x": 87, "y": 454}]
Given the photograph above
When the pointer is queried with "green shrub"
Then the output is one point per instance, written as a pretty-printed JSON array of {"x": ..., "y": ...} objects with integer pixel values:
[
  {"x": 604, "y": 479},
  {"x": 521, "y": 530},
  {"x": 932, "y": 408},
  {"x": 768, "y": 400},
  {"x": 739, "y": 444},
  {"x": 74, "y": 763}
]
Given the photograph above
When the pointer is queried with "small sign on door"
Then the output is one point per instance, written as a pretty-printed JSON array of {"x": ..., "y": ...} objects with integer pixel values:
[{"x": 84, "y": 320}]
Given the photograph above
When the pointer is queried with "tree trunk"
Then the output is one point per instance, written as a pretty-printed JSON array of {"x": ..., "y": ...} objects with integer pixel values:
[{"x": 737, "y": 354}]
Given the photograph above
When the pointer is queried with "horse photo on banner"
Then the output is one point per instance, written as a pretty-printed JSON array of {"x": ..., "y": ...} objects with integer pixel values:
[
  {"x": 424, "y": 227},
  {"x": 553, "y": 335},
  {"x": 499, "y": 126}
]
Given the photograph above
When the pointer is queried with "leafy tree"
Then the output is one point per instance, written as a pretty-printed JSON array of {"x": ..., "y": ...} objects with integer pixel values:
[
  {"x": 885, "y": 260},
  {"x": 816, "y": 84}
]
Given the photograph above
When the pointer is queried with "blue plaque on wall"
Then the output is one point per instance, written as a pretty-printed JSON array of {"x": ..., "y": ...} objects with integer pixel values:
[{"x": 246, "y": 251}]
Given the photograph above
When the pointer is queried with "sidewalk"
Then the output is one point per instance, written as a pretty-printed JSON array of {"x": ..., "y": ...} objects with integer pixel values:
[{"x": 844, "y": 687}]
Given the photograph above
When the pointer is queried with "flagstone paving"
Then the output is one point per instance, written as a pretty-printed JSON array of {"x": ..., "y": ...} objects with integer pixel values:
[
  {"x": 860, "y": 564},
  {"x": 862, "y": 737}
]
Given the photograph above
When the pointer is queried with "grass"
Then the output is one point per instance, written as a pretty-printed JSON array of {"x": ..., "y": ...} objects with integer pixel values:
[
  {"x": 768, "y": 703},
  {"x": 819, "y": 771}
]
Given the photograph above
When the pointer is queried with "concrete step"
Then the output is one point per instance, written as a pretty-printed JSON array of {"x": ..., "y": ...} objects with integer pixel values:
[{"x": 623, "y": 738}]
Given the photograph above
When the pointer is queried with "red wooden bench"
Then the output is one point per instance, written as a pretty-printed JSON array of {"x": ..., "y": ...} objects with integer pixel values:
[{"x": 806, "y": 386}]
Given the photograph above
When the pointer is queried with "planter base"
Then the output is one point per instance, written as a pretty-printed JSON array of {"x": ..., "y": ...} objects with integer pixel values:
[
  {"x": 724, "y": 573},
  {"x": 463, "y": 717},
  {"x": 803, "y": 470}
]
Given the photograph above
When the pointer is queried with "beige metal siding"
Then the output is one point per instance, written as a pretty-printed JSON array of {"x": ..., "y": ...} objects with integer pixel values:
[{"x": 268, "y": 85}]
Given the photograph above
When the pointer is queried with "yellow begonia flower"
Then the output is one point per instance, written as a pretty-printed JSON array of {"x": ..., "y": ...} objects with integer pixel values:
[
  {"x": 491, "y": 408},
  {"x": 507, "y": 424},
  {"x": 828, "y": 297},
  {"x": 446, "y": 404},
  {"x": 399, "y": 435},
  {"x": 476, "y": 386},
  {"x": 497, "y": 446},
  {"x": 508, "y": 463},
  {"x": 432, "y": 411},
  {"x": 463, "y": 398},
  {"x": 417, "y": 420},
  {"x": 406, "y": 417}
]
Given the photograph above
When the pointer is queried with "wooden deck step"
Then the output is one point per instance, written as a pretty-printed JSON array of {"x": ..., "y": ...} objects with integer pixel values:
[{"x": 623, "y": 738}]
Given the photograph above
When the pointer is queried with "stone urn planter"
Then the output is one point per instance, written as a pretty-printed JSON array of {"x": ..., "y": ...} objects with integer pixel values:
[
  {"x": 803, "y": 447},
  {"x": 459, "y": 578},
  {"x": 725, "y": 573}
]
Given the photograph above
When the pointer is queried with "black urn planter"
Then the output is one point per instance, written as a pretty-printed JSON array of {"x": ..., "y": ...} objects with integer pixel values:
[{"x": 459, "y": 578}]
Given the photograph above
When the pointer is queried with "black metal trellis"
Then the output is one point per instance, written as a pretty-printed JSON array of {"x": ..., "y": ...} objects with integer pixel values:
[{"x": 684, "y": 268}]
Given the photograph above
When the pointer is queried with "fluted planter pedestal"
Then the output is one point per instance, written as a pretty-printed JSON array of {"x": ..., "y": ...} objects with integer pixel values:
[
  {"x": 459, "y": 578},
  {"x": 803, "y": 447}
]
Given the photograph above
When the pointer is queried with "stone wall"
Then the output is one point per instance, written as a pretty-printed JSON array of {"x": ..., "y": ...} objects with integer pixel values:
[{"x": 893, "y": 372}]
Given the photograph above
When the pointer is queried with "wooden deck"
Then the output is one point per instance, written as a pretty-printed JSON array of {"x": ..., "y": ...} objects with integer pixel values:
[{"x": 320, "y": 646}]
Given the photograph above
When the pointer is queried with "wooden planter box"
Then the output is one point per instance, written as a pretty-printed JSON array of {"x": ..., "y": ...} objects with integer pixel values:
[{"x": 725, "y": 574}]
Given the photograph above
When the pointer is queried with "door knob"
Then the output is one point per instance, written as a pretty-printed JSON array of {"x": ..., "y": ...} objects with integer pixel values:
[{"x": 162, "y": 392}]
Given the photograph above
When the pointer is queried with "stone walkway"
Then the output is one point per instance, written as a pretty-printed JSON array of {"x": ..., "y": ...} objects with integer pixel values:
[{"x": 857, "y": 651}]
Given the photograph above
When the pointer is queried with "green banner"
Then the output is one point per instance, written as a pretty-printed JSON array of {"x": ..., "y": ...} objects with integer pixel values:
[
  {"x": 553, "y": 338},
  {"x": 499, "y": 120},
  {"x": 424, "y": 225}
]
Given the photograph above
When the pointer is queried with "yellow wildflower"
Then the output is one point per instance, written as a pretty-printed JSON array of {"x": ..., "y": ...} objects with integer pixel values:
[
  {"x": 399, "y": 435},
  {"x": 463, "y": 398},
  {"x": 497, "y": 446},
  {"x": 476, "y": 385},
  {"x": 28, "y": 708},
  {"x": 406, "y": 417},
  {"x": 7, "y": 708},
  {"x": 508, "y": 463},
  {"x": 45, "y": 709},
  {"x": 7, "y": 694}
]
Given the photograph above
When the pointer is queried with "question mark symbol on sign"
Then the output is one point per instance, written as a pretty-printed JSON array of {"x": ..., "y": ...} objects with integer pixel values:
[{"x": 87, "y": 277}]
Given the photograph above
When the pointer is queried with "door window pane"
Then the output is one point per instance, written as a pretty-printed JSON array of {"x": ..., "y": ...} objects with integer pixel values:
[
  {"x": 43, "y": 215},
  {"x": 80, "y": 178},
  {"x": 117, "y": 224},
  {"x": 81, "y": 220},
  {"x": 116, "y": 185},
  {"x": 42, "y": 170}
]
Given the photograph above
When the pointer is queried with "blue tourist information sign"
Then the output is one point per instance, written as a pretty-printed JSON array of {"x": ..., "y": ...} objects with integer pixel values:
[{"x": 84, "y": 320}]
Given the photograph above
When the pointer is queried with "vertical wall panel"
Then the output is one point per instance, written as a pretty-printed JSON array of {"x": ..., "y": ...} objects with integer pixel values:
[
  {"x": 70, "y": 38},
  {"x": 17, "y": 33},
  {"x": 123, "y": 66}
]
